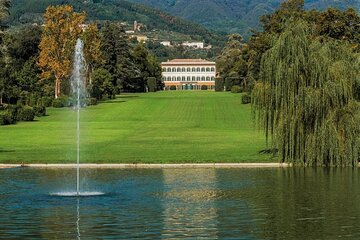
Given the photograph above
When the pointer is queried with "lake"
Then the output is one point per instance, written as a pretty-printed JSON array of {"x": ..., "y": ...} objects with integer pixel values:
[{"x": 279, "y": 203}]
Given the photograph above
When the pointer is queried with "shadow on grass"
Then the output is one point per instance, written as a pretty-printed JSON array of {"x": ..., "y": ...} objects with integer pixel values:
[
  {"x": 6, "y": 151},
  {"x": 112, "y": 101},
  {"x": 127, "y": 96}
]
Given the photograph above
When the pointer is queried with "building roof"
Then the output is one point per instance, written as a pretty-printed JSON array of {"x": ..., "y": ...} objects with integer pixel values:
[{"x": 188, "y": 62}]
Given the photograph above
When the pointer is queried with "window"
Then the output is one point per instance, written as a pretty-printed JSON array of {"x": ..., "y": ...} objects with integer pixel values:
[
  {"x": 212, "y": 78},
  {"x": 198, "y": 69},
  {"x": 213, "y": 69},
  {"x": 193, "y": 69},
  {"x": 169, "y": 69},
  {"x": 164, "y": 69},
  {"x": 183, "y": 78},
  {"x": 183, "y": 69},
  {"x": 174, "y": 79},
  {"x": 174, "y": 69},
  {"x": 188, "y": 69},
  {"x": 207, "y": 78},
  {"x": 178, "y": 69},
  {"x": 208, "y": 69},
  {"x": 197, "y": 78},
  {"x": 193, "y": 78},
  {"x": 203, "y": 69},
  {"x": 169, "y": 78},
  {"x": 202, "y": 78},
  {"x": 179, "y": 79},
  {"x": 188, "y": 79}
]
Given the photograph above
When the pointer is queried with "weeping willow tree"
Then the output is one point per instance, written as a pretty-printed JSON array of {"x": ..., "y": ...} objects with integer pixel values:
[{"x": 305, "y": 99}]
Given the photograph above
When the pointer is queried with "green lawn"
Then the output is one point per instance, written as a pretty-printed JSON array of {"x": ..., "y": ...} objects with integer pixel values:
[{"x": 163, "y": 127}]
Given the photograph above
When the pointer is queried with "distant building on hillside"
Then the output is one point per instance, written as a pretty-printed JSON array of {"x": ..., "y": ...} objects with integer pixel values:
[
  {"x": 199, "y": 45},
  {"x": 189, "y": 74},
  {"x": 166, "y": 43}
]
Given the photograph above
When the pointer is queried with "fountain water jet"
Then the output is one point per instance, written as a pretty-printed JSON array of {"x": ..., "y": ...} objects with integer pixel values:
[{"x": 79, "y": 93}]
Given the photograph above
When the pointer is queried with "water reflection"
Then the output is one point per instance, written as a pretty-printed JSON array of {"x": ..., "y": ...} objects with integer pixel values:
[
  {"x": 189, "y": 207},
  {"x": 78, "y": 219},
  {"x": 200, "y": 203}
]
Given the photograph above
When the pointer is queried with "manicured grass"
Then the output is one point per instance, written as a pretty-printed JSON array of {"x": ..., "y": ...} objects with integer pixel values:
[{"x": 163, "y": 127}]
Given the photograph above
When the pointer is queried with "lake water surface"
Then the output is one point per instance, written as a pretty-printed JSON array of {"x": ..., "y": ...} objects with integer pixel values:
[{"x": 182, "y": 203}]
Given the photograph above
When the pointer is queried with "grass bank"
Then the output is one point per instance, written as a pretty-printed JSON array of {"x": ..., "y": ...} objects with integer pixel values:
[{"x": 163, "y": 127}]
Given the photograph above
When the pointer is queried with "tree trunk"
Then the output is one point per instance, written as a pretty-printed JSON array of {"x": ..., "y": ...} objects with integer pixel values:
[{"x": 57, "y": 88}]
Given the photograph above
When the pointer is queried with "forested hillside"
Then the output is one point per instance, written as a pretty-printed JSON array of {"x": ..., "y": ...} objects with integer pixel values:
[
  {"x": 234, "y": 15},
  {"x": 29, "y": 11}
]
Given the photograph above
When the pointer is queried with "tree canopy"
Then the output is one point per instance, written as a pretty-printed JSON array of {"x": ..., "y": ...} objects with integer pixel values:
[{"x": 304, "y": 99}]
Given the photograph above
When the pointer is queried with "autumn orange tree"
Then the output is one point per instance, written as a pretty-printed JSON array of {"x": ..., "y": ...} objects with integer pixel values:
[{"x": 61, "y": 30}]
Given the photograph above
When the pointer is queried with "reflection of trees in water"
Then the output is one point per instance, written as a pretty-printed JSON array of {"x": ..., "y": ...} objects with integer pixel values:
[{"x": 305, "y": 203}]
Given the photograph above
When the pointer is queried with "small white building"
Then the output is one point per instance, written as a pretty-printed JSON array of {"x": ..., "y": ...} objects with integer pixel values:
[
  {"x": 166, "y": 43},
  {"x": 199, "y": 45}
]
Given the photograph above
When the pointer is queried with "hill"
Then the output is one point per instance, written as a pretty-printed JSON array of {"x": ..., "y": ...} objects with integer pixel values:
[
  {"x": 234, "y": 15},
  {"x": 30, "y": 11}
]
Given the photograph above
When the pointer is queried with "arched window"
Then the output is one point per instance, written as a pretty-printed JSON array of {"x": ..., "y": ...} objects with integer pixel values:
[
  {"x": 207, "y": 78},
  {"x": 212, "y": 78},
  {"x": 197, "y": 78},
  {"x": 169, "y": 69},
  {"x": 174, "y": 79},
  {"x": 187, "y": 78},
  {"x": 203, "y": 69},
  {"x": 193, "y": 69},
  {"x": 213, "y": 69},
  {"x": 198, "y": 69},
  {"x": 183, "y": 78},
  {"x": 193, "y": 78},
  {"x": 183, "y": 69},
  {"x": 202, "y": 78},
  {"x": 178, "y": 69},
  {"x": 208, "y": 69},
  {"x": 174, "y": 69},
  {"x": 169, "y": 78},
  {"x": 179, "y": 79},
  {"x": 188, "y": 69},
  {"x": 164, "y": 69}
]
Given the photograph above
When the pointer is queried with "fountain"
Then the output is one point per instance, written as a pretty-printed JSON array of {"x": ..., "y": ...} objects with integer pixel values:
[{"x": 79, "y": 93}]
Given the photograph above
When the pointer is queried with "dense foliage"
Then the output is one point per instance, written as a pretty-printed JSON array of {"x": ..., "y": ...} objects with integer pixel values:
[
  {"x": 30, "y": 11},
  {"x": 242, "y": 60},
  {"x": 305, "y": 101},
  {"x": 37, "y": 61}
]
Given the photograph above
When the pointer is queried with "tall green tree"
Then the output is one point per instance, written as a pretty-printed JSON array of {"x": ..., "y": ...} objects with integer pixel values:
[
  {"x": 117, "y": 56},
  {"x": 305, "y": 102},
  {"x": 4, "y": 8}
]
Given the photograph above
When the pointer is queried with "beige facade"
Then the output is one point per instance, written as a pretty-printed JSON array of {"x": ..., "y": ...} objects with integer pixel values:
[{"x": 189, "y": 74}]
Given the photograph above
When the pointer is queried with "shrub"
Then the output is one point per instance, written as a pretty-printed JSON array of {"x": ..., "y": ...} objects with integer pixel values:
[
  {"x": 6, "y": 118},
  {"x": 246, "y": 98},
  {"x": 151, "y": 83},
  {"x": 46, "y": 101},
  {"x": 57, "y": 103},
  {"x": 237, "y": 89},
  {"x": 40, "y": 111},
  {"x": 91, "y": 101},
  {"x": 26, "y": 113},
  {"x": 230, "y": 82},
  {"x": 219, "y": 84},
  {"x": 14, "y": 111}
]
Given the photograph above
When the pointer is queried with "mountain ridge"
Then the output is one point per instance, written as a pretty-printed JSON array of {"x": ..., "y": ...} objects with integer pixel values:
[{"x": 234, "y": 15}]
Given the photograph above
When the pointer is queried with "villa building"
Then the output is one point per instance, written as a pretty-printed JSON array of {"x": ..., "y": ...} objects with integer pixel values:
[{"x": 189, "y": 74}]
